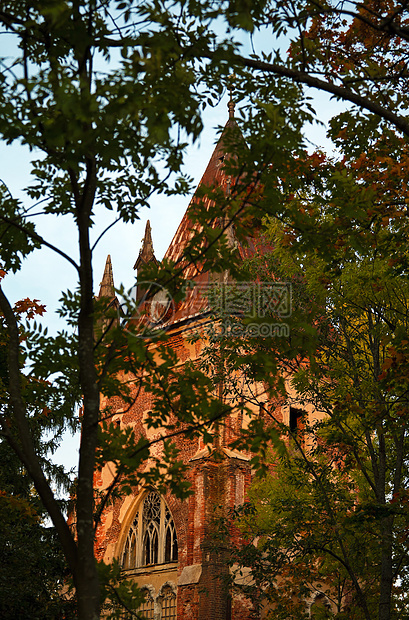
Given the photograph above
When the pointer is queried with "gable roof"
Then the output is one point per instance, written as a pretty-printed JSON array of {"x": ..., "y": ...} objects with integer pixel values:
[{"x": 195, "y": 304}]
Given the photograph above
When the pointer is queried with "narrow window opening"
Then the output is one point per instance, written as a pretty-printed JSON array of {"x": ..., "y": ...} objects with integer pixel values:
[
  {"x": 151, "y": 544},
  {"x": 168, "y": 604},
  {"x": 148, "y": 606},
  {"x": 171, "y": 545},
  {"x": 168, "y": 546},
  {"x": 296, "y": 420}
]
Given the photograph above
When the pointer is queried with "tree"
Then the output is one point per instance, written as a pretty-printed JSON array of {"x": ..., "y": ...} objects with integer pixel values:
[
  {"x": 33, "y": 573},
  {"x": 352, "y": 216},
  {"x": 331, "y": 516},
  {"x": 356, "y": 52},
  {"x": 100, "y": 135}
]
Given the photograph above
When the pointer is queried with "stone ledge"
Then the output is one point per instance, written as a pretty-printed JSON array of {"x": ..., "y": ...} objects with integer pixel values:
[
  {"x": 231, "y": 454},
  {"x": 190, "y": 574}
]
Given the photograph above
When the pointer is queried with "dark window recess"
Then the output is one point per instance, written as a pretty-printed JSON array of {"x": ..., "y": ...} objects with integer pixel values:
[{"x": 296, "y": 420}]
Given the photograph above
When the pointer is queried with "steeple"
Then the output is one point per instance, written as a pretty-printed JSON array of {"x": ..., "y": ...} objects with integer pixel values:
[
  {"x": 214, "y": 176},
  {"x": 106, "y": 288},
  {"x": 146, "y": 253},
  {"x": 146, "y": 256}
]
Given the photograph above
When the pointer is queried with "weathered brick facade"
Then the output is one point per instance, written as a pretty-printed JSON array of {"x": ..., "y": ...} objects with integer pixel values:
[{"x": 199, "y": 574}]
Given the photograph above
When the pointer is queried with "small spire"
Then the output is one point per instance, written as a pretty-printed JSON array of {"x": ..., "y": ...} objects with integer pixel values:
[
  {"x": 106, "y": 288},
  {"x": 146, "y": 253},
  {"x": 231, "y": 105}
]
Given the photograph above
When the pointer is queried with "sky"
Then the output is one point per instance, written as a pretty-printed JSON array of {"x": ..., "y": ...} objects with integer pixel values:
[{"x": 44, "y": 274}]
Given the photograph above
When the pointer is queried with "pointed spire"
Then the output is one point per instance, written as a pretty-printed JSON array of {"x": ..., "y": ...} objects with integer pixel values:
[
  {"x": 231, "y": 105},
  {"x": 106, "y": 288},
  {"x": 146, "y": 253},
  {"x": 214, "y": 175}
]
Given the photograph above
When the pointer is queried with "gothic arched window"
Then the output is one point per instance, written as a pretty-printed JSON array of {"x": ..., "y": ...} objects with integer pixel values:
[
  {"x": 148, "y": 606},
  {"x": 152, "y": 537},
  {"x": 168, "y": 603}
]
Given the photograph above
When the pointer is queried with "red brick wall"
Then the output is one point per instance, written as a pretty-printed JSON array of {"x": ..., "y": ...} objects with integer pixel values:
[{"x": 218, "y": 485}]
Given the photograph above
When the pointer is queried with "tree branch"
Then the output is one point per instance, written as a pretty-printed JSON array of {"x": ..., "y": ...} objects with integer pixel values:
[
  {"x": 301, "y": 77},
  {"x": 24, "y": 447}
]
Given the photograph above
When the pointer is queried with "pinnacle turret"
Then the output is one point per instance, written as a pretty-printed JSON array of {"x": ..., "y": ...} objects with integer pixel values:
[
  {"x": 106, "y": 288},
  {"x": 146, "y": 253}
]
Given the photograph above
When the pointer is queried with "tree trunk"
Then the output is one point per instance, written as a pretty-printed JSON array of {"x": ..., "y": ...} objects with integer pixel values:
[
  {"x": 386, "y": 582},
  {"x": 86, "y": 577}
]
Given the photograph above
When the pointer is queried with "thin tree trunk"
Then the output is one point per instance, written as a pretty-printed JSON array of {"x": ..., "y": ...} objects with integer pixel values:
[
  {"x": 86, "y": 579},
  {"x": 386, "y": 582},
  {"x": 386, "y": 526}
]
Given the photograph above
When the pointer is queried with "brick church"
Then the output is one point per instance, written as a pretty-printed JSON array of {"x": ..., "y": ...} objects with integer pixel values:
[{"x": 161, "y": 542}]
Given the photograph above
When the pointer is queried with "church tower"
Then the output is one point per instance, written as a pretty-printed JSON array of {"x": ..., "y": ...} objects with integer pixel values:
[{"x": 165, "y": 544}]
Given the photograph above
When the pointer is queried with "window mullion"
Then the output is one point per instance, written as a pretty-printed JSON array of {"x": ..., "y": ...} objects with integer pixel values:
[
  {"x": 139, "y": 552},
  {"x": 161, "y": 550}
]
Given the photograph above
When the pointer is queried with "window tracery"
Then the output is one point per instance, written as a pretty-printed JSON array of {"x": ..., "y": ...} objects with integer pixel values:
[
  {"x": 171, "y": 541},
  {"x": 151, "y": 538},
  {"x": 151, "y": 517},
  {"x": 130, "y": 548}
]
